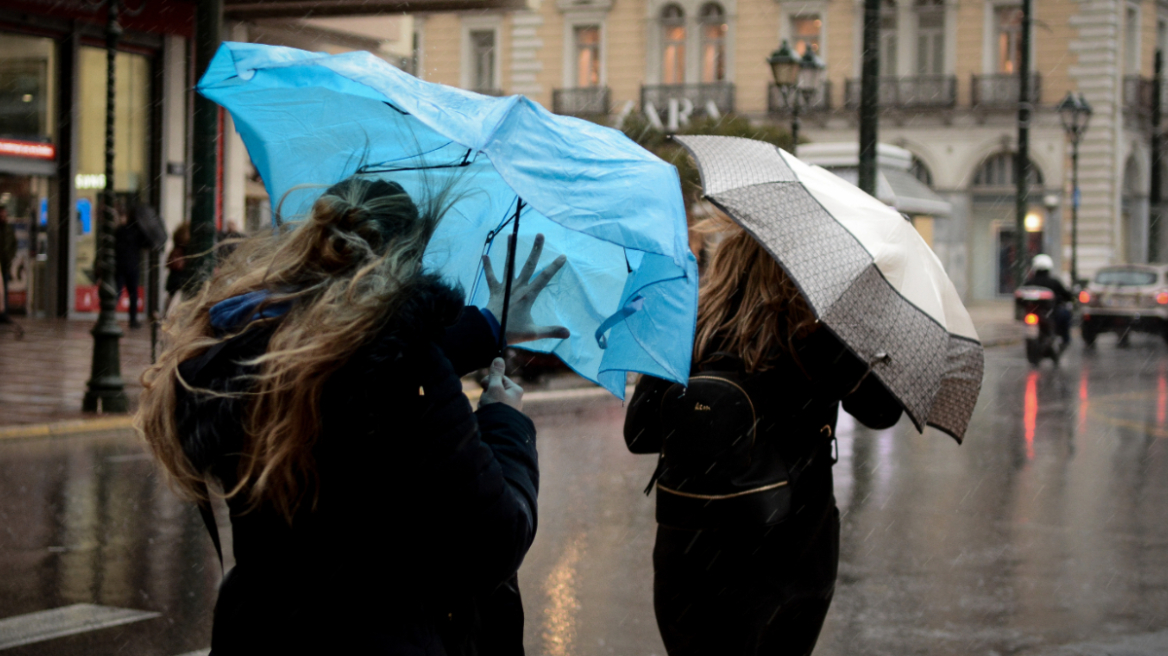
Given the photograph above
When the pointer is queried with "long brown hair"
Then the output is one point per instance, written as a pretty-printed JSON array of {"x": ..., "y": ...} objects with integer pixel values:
[
  {"x": 344, "y": 273},
  {"x": 747, "y": 305}
]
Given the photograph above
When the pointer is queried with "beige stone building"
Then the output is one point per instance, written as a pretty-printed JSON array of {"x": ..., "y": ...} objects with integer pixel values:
[{"x": 948, "y": 95}]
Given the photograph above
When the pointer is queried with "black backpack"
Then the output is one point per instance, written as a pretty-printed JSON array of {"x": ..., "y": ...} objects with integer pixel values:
[{"x": 717, "y": 467}]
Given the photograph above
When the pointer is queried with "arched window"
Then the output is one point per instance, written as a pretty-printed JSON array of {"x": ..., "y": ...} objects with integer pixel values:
[
  {"x": 920, "y": 171},
  {"x": 998, "y": 171},
  {"x": 672, "y": 45},
  {"x": 713, "y": 20}
]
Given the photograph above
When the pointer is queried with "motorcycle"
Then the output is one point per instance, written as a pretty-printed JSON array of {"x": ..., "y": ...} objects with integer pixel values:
[{"x": 1034, "y": 307}]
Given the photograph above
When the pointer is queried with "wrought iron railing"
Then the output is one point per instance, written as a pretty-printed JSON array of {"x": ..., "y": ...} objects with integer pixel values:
[
  {"x": 582, "y": 101},
  {"x": 490, "y": 92},
  {"x": 1000, "y": 91},
  {"x": 917, "y": 92},
  {"x": 700, "y": 97},
  {"x": 820, "y": 100},
  {"x": 1137, "y": 94}
]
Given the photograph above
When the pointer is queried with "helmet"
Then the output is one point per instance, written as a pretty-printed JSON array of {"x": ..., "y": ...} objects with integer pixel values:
[{"x": 1042, "y": 262}]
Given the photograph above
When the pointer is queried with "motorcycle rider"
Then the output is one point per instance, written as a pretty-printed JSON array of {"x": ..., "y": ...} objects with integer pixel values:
[{"x": 1040, "y": 276}]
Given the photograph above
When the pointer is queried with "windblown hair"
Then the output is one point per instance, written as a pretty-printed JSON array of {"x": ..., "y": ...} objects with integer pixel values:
[
  {"x": 747, "y": 305},
  {"x": 344, "y": 272}
]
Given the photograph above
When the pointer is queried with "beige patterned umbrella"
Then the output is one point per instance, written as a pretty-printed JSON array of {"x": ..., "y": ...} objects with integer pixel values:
[{"x": 867, "y": 274}]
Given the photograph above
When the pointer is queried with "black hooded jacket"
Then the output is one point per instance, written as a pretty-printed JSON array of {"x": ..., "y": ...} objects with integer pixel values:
[{"x": 425, "y": 509}]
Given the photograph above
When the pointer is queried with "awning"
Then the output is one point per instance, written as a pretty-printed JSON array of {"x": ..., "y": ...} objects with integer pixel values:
[{"x": 901, "y": 190}]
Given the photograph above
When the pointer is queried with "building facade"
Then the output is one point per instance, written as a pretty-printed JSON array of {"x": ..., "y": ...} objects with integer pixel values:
[
  {"x": 52, "y": 136},
  {"x": 948, "y": 94}
]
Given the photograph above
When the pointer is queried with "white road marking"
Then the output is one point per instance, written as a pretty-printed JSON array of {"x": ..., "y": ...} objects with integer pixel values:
[{"x": 69, "y": 620}]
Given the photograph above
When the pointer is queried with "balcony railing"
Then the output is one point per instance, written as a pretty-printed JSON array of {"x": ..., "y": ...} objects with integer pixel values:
[
  {"x": 920, "y": 92},
  {"x": 490, "y": 92},
  {"x": 820, "y": 100},
  {"x": 583, "y": 101},
  {"x": 1000, "y": 91},
  {"x": 700, "y": 96},
  {"x": 1138, "y": 93}
]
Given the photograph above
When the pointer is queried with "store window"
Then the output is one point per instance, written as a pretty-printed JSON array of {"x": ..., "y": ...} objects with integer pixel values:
[
  {"x": 26, "y": 87},
  {"x": 714, "y": 28},
  {"x": 930, "y": 37},
  {"x": 672, "y": 45},
  {"x": 587, "y": 55},
  {"x": 806, "y": 33},
  {"x": 131, "y": 156}
]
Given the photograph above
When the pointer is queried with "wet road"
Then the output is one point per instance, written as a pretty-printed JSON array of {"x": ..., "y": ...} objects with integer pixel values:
[{"x": 1046, "y": 533}]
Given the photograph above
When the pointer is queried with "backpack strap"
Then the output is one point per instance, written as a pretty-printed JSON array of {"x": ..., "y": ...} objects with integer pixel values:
[{"x": 208, "y": 515}]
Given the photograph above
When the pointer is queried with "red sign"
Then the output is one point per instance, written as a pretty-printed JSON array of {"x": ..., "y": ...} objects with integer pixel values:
[{"x": 27, "y": 149}]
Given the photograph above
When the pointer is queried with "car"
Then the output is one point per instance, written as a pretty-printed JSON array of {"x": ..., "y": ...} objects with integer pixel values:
[{"x": 1125, "y": 299}]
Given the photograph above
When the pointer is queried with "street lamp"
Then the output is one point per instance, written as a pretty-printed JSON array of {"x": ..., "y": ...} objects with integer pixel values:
[
  {"x": 105, "y": 389},
  {"x": 1075, "y": 113},
  {"x": 797, "y": 79}
]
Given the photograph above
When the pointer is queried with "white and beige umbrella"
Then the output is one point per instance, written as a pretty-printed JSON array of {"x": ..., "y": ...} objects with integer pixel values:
[{"x": 867, "y": 274}]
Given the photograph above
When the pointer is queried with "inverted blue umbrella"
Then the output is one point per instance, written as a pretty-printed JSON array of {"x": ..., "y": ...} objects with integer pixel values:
[{"x": 628, "y": 292}]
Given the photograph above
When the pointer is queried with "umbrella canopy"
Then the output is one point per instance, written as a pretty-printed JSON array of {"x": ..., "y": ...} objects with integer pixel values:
[
  {"x": 864, "y": 270},
  {"x": 629, "y": 290}
]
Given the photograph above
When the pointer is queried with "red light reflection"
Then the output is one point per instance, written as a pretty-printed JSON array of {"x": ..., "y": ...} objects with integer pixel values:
[
  {"x": 1083, "y": 401},
  {"x": 1030, "y": 412}
]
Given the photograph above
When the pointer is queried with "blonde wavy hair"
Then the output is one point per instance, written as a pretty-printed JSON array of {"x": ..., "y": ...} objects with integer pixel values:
[
  {"x": 747, "y": 305},
  {"x": 344, "y": 272}
]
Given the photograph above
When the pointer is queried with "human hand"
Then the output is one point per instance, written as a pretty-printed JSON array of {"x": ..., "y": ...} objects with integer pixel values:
[
  {"x": 501, "y": 389},
  {"x": 524, "y": 290}
]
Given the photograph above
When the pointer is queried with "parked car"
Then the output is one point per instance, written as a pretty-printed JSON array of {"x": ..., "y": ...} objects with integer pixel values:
[{"x": 1125, "y": 299}]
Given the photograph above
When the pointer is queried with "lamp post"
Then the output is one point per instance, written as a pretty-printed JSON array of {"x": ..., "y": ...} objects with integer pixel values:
[
  {"x": 797, "y": 79},
  {"x": 105, "y": 388},
  {"x": 1075, "y": 113}
]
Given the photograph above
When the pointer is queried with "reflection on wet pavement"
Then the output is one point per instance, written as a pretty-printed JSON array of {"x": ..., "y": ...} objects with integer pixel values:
[{"x": 1046, "y": 529}]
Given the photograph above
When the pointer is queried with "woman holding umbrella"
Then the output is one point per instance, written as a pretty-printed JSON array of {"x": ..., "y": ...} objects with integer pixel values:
[
  {"x": 316, "y": 379},
  {"x": 748, "y": 536}
]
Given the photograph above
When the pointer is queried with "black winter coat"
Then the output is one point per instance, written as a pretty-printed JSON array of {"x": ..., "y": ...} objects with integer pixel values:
[
  {"x": 426, "y": 508},
  {"x": 794, "y": 404}
]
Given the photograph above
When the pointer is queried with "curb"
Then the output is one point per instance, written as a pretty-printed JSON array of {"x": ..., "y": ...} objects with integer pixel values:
[
  {"x": 63, "y": 428},
  {"x": 125, "y": 422}
]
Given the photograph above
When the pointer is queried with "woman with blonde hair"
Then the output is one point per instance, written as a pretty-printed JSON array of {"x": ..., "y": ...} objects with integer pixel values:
[
  {"x": 748, "y": 531},
  {"x": 315, "y": 380}
]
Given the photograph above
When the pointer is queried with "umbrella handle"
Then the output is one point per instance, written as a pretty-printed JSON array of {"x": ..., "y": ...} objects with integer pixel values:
[{"x": 509, "y": 274}]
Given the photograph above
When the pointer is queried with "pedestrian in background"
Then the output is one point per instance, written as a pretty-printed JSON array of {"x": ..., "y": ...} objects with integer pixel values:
[
  {"x": 748, "y": 531},
  {"x": 128, "y": 244},
  {"x": 316, "y": 379},
  {"x": 7, "y": 254},
  {"x": 178, "y": 269}
]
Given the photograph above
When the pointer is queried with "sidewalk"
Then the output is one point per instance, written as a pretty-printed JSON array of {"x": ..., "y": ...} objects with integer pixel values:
[{"x": 43, "y": 375}]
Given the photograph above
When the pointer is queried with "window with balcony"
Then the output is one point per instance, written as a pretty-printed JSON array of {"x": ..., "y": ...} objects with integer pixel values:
[
  {"x": 888, "y": 39},
  {"x": 482, "y": 43},
  {"x": 672, "y": 45},
  {"x": 1008, "y": 37},
  {"x": 713, "y": 22},
  {"x": 1131, "y": 41},
  {"x": 930, "y": 37},
  {"x": 806, "y": 33},
  {"x": 587, "y": 55}
]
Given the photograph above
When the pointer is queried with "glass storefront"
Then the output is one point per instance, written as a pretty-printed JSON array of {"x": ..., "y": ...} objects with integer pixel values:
[
  {"x": 27, "y": 124},
  {"x": 131, "y": 160}
]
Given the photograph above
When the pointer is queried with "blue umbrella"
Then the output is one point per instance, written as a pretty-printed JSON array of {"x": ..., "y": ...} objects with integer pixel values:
[{"x": 628, "y": 293}]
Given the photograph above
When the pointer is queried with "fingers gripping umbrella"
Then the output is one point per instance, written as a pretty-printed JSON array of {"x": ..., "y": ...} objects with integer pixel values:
[
  {"x": 628, "y": 292},
  {"x": 867, "y": 274}
]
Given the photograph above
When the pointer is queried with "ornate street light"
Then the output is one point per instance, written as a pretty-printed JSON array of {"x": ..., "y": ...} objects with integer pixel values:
[
  {"x": 105, "y": 389},
  {"x": 797, "y": 79},
  {"x": 1075, "y": 114}
]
